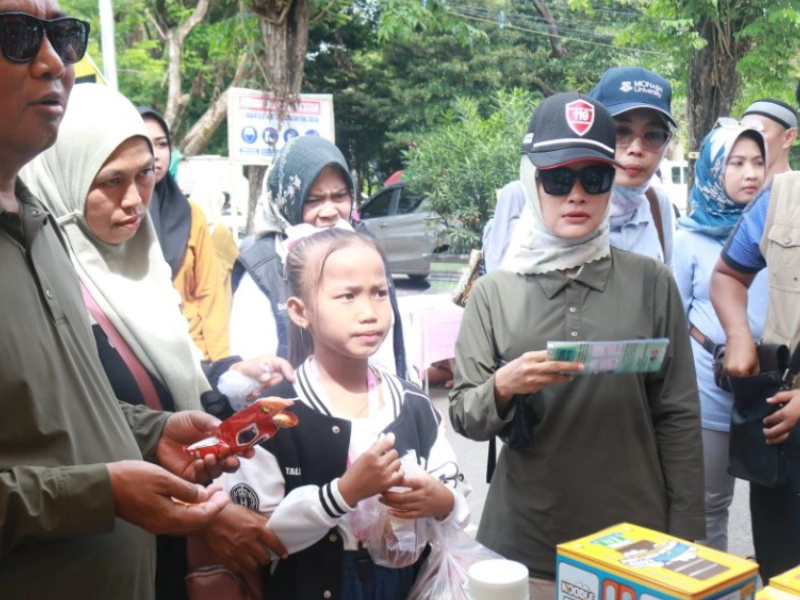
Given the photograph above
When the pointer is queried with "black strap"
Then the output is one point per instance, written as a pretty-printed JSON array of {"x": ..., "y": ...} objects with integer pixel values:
[
  {"x": 491, "y": 460},
  {"x": 655, "y": 210},
  {"x": 706, "y": 342},
  {"x": 794, "y": 366}
]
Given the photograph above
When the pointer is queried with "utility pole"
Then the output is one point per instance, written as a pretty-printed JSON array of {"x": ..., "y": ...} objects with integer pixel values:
[{"x": 107, "y": 45}]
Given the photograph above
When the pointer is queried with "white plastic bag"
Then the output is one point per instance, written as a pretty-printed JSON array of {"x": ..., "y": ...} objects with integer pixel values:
[
  {"x": 444, "y": 574},
  {"x": 391, "y": 541}
]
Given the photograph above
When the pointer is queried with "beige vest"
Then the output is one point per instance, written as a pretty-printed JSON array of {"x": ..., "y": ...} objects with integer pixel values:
[{"x": 780, "y": 246}]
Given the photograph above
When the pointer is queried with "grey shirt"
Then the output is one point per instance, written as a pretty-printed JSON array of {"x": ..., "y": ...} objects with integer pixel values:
[
  {"x": 59, "y": 537},
  {"x": 605, "y": 448}
]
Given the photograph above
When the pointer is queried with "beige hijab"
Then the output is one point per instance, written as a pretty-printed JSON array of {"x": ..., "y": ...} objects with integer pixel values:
[
  {"x": 535, "y": 249},
  {"x": 130, "y": 282}
]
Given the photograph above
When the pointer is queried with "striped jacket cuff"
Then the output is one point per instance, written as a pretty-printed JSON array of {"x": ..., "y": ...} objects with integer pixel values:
[{"x": 332, "y": 501}]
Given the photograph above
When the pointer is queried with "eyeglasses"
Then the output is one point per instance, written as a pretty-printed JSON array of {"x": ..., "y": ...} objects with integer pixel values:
[
  {"x": 21, "y": 37},
  {"x": 745, "y": 123},
  {"x": 596, "y": 179},
  {"x": 653, "y": 140}
]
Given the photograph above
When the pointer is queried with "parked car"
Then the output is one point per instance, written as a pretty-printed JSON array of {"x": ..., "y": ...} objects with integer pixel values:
[{"x": 407, "y": 229}]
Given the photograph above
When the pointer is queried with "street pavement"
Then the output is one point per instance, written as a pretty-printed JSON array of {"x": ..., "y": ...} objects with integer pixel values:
[{"x": 472, "y": 460}]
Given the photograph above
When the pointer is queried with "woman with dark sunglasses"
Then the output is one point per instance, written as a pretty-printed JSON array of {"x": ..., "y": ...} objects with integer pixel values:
[
  {"x": 641, "y": 217},
  {"x": 583, "y": 451}
]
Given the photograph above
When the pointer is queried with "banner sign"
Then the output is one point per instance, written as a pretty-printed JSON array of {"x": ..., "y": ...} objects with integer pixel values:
[{"x": 253, "y": 133}]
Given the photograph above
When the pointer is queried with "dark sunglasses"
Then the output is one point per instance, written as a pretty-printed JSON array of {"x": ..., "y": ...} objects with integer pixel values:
[
  {"x": 21, "y": 37},
  {"x": 596, "y": 179},
  {"x": 653, "y": 140}
]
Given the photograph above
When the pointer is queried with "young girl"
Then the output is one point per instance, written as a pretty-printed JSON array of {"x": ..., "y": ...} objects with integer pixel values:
[{"x": 355, "y": 423}]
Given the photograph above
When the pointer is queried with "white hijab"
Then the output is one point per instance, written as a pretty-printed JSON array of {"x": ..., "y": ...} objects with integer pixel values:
[
  {"x": 535, "y": 249},
  {"x": 130, "y": 282}
]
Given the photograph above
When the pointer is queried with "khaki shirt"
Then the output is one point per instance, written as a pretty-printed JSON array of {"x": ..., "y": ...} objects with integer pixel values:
[
  {"x": 59, "y": 537},
  {"x": 606, "y": 448},
  {"x": 780, "y": 247}
]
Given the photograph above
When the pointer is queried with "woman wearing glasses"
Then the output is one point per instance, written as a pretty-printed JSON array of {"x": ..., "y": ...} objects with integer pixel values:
[
  {"x": 729, "y": 174},
  {"x": 308, "y": 185},
  {"x": 641, "y": 217},
  {"x": 582, "y": 452}
]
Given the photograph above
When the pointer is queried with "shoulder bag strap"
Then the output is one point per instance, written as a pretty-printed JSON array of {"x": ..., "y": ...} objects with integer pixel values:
[
  {"x": 140, "y": 374},
  {"x": 794, "y": 367},
  {"x": 655, "y": 210}
]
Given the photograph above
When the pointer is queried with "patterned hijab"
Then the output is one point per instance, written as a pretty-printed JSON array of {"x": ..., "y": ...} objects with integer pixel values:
[
  {"x": 534, "y": 249},
  {"x": 713, "y": 211},
  {"x": 295, "y": 168}
]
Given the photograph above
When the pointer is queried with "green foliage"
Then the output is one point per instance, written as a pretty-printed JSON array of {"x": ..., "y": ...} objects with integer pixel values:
[
  {"x": 459, "y": 164},
  {"x": 401, "y": 19},
  {"x": 767, "y": 30}
]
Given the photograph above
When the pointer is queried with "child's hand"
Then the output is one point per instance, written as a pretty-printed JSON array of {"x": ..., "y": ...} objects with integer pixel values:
[
  {"x": 374, "y": 472},
  {"x": 428, "y": 497}
]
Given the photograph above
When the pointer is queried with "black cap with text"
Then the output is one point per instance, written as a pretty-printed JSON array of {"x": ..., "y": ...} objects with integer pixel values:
[{"x": 569, "y": 127}]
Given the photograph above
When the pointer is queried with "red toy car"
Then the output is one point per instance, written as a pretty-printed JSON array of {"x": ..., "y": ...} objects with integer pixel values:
[{"x": 258, "y": 422}]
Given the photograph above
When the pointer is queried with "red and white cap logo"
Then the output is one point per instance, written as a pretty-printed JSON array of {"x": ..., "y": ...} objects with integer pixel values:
[{"x": 580, "y": 116}]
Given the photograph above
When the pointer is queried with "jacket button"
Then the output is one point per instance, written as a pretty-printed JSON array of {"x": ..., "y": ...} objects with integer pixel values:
[
  {"x": 787, "y": 241},
  {"x": 326, "y": 594},
  {"x": 333, "y": 537},
  {"x": 36, "y": 213},
  {"x": 572, "y": 309},
  {"x": 49, "y": 294},
  {"x": 336, "y": 429},
  {"x": 574, "y": 334}
]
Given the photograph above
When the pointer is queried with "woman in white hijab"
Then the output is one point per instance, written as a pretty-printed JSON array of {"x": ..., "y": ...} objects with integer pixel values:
[
  {"x": 583, "y": 451},
  {"x": 97, "y": 181}
]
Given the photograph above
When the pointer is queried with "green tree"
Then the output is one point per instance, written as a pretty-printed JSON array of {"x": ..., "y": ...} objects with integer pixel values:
[
  {"x": 717, "y": 46},
  {"x": 459, "y": 164}
]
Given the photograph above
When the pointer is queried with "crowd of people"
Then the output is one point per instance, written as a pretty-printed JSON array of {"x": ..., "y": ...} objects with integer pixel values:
[{"x": 125, "y": 302}]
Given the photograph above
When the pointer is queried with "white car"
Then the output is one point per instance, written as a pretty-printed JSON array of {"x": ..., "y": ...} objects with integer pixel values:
[{"x": 409, "y": 232}]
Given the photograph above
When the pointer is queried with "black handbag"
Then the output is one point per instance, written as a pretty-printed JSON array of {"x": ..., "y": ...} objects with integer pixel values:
[
  {"x": 750, "y": 457},
  {"x": 518, "y": 434}
]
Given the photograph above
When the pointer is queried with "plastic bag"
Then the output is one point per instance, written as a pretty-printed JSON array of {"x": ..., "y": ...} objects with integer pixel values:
[
  {"x": 391, "y": 542},
  {"x": 444, "y": 575}
]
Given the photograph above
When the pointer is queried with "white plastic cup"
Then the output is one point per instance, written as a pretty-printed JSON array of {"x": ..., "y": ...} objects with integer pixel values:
[{"x": 498, "y": 580}]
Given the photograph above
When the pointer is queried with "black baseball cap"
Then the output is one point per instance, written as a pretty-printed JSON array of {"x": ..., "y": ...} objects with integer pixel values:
[
  {"x": 622, "y": 89},
  {"x": 569, "y": 127}
]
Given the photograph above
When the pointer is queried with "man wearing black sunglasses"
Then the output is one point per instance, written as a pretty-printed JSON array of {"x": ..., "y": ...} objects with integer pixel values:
[
  {"x": 75, "y": 495},
  {"x": 642, "y": 217}
]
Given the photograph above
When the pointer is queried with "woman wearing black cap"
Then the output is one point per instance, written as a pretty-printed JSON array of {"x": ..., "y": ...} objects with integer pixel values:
[
  {"x": 588, "y": 451},
  {"x": 188, "y": 249}
]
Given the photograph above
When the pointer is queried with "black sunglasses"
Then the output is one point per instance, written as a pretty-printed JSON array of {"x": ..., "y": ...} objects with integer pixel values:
[
  {"x": 21, "y": 37},
  {"x": 595, "y": 179},
  {"x": 653, "y": 140}
]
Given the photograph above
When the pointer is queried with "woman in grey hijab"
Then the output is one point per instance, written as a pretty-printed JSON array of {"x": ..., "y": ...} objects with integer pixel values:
[{"x": 308, "y": 183}]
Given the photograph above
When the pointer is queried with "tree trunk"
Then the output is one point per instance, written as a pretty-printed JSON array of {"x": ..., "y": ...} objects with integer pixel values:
[
  {"x": 556, "y": 49},
  {"x": 255, "y": 179},
  {"x": 284, "y": 28},
  {"x": 175, "y": 38},
  {"x": 712, "y": 86},
  {"x": 197, "y": 138}
]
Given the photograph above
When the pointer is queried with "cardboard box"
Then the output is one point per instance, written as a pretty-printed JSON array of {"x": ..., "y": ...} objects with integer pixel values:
[
  {"x": 771, "y": 593},
  {"x": 626, "y": 562},
  {"x": 788, "y": 582}
]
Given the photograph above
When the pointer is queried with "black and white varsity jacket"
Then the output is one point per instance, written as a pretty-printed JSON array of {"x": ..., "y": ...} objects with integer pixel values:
[{"x": 293, "y": 479}]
